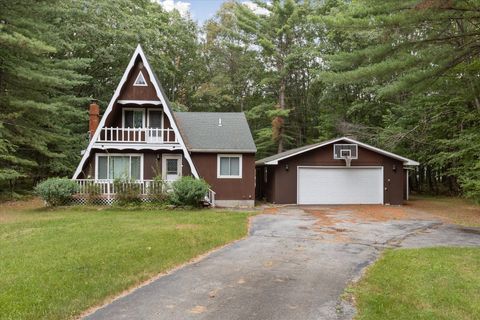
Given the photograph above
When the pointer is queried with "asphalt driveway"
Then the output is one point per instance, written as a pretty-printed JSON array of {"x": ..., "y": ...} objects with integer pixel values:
[{"x": 295, "y": 264}]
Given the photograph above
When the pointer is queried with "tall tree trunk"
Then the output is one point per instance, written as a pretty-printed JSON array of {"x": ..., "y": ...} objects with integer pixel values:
[
  {"x": 431, "y": 189},
  {"x": 420, "y": 178},
  {"x": 281, "y": 106},
  {"x": 415, "y": 184}
]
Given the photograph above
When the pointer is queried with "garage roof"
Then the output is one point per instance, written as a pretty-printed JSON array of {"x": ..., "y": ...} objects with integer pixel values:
[{"x": 273, "y": 160}]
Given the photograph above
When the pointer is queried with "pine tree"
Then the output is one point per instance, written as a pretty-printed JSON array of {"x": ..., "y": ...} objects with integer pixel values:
[
  {"x": 278, "y": 33},
  {"x": 35, "y": 99},
  {"x": 413, "y": 72}
]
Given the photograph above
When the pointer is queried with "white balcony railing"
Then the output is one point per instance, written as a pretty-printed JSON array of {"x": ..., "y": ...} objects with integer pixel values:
[{"x": 137, "y": 135}]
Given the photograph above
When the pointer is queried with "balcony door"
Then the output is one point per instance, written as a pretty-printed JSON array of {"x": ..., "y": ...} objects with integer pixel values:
[
  {"x": 155, "y": 125},
  {"x": 171, "y": 167}
]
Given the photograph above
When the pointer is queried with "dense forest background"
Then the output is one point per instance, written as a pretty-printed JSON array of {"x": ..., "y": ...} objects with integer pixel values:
[{"x": 401, "y": 75}]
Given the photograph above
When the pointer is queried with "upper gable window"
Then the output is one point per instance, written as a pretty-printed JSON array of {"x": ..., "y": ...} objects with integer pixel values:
[
  {"x": 140, "y": 81},
  {"x": 133, "y": 118}
]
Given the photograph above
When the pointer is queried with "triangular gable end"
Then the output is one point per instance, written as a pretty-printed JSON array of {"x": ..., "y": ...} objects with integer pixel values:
[
  {"x": 162, "y": 98},
  {"x": 275, "y": 161},
  {"x": 140, "y": 80}
]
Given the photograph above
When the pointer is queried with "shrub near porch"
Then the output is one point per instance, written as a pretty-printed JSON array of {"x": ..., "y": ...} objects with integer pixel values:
[{"x": 54, "y": 264}]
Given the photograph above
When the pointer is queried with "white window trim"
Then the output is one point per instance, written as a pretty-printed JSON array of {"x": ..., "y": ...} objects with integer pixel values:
[
  {"x": 240, "y": 164},
  {"x": 133, "y": 109},
  {"x": 135, "y": 84},
  {"x": 166, "y": 156},
  {"x": 97, "y": 155},
  {"x": 148, "y": 116}
]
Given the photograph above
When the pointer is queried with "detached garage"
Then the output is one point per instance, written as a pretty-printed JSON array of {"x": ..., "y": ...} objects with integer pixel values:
[{"x": 340, "y": 171}]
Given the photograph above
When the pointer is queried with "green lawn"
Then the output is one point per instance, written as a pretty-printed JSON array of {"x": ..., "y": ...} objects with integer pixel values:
[
  {"x": 433, "y": 283},
  {"x": 56, "y": 264},
  {"x": 451, "y": 209}
]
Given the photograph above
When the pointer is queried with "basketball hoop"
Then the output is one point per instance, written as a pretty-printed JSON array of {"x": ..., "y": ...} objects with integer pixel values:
[{"x": 347, "y": 152}]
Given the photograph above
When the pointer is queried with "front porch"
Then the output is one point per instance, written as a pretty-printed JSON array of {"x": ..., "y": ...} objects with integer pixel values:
[{"x": 105, "y": 191}]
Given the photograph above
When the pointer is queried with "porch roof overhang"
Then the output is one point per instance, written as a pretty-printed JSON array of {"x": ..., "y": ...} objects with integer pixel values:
[{"x": 140, "y": 102}]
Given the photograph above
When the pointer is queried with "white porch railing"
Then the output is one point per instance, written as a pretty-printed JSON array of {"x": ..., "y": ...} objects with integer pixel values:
[
  {"x": 108, "y": 188},
  {"x": 138, "y": 135}
]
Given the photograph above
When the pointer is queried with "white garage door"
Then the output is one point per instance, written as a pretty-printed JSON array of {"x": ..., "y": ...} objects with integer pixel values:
[{"x": 343, "y": 185}]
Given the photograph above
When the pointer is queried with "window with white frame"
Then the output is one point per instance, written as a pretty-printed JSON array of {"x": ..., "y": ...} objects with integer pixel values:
[
  {"x": 133, "y": 118},
  {"x": 119, "y": 166},
  {"x": 229, "y": 166},
  {"x": 140, "y": 80}
]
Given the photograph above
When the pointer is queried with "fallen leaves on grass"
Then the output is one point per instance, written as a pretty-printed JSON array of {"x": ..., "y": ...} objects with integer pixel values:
[{"x": 452, "y": 210}]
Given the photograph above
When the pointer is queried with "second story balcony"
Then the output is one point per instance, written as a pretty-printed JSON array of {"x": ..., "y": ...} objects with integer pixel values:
[{"x": 137, "y": 136}]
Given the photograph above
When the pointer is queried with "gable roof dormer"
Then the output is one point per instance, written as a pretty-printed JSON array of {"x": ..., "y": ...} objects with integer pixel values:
[{"x": 151, "y": 91}]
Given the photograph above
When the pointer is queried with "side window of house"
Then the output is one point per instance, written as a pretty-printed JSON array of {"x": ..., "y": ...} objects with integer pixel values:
[
  {"x": 133, "y": 119},
  {"x": 229, "y": 166}
]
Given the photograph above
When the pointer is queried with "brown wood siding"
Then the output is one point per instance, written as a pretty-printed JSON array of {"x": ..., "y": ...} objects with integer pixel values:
[
  {"x": 131, "y": 92},
  {"x": 227, "y": 189},
  {"x": 282, "y": 187},
  {"x": 152, "y": 163}
]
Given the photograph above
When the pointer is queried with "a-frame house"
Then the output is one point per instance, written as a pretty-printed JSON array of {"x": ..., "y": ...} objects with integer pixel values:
[{"x": 139, "y": 137}]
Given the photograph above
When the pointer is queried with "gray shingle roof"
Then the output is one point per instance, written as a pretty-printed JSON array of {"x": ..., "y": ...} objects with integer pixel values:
[
  {"x": 287, "y": 153},
  {"x": 202, "y": 132}
]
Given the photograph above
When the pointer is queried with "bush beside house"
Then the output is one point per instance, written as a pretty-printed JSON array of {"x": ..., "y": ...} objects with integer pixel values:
[
  {"x": 127, "y": 192},
  {"x": 56, "y": 191},
  {"x": 188, "y": 191}
]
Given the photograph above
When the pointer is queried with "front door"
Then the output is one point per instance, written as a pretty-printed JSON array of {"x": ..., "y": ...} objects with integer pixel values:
[{"x": 171, "y": 167}]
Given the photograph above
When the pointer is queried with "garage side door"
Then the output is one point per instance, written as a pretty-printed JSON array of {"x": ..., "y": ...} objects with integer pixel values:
[{"x": 351, "y": 185}]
